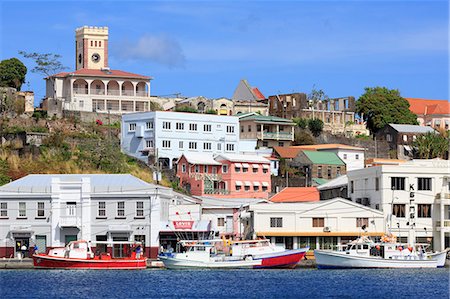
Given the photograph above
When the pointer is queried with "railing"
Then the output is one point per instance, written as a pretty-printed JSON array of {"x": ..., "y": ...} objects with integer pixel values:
[
  {"x": 278, "y": 136},
  {"x": 80, "y": 91},
  {"x": 446, "y": 223},
  {"x": 446, "y": 196},
  {"x": 217, "y": 191},
  {"x": 128, "y": 92},
  {"x": 113, "y": 92},
  {"x": 98, "y": 91},
  {"x": 141, "y": 93},
  {"x": 69, "y": 221}
]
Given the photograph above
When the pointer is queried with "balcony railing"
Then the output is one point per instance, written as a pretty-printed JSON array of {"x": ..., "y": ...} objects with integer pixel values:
[
  {"x": 80, "y": 91},
  {"x": 128, "y": 92},
  {"x": 141, "y": 93},
  {"x": 98, "y": 91},
  {"x": 69, "y": 221},
  {"x": 217, "y": 191},
  {"x": 113, "y": 92},
  {"x": 446, "y": 196},
  {"x": 278, "y": 136}
]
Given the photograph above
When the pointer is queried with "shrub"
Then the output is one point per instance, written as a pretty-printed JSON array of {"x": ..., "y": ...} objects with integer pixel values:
[
  {"x": 315, "y": 126},
  {"x": 186, "y": 109},
  {"x": 302, "y": 123}
]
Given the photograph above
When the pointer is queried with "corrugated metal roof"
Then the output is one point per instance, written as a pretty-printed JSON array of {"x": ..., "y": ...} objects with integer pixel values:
[
  {"x": 211, "y": 202},
  {"x": 412, "y": 128},
  {"x": 200, "y": 159},
  {"x": 334, "y": 183},
  {"x": 323, "y": 158},
  {"x": 243, "y": 158}
]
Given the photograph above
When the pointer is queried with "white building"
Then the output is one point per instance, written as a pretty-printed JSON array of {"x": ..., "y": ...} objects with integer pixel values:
[
  {"x": 167, "y": 135},
  {"x": 318, "y": 224},
  {"x": 352, "y": 156},
  {"x": 414, "y": 195},
  {"x": 51, "y": 210}
]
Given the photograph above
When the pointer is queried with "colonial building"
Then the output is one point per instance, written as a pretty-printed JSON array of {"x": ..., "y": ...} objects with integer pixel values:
[
  {"x": 167, "y": 135},
  {"x": 94, "y": 86},
  {"x": 414, "y": 197},
  {"x": 246, "y": 92},
  {"x": 50, "y": 210},
  {"x": 432, "y": 113}
]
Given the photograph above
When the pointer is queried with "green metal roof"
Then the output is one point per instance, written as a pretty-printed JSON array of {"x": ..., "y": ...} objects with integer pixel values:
[
  {"x": 320, "y": 181},
  {"x": 258, "y": 117},
  {"x": 321, "y": 157}
]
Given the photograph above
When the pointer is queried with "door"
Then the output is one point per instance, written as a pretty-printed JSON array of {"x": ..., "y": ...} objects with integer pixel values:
[
  {"x": 289, "y": 242},
  {"x": 70, "y": 238},
  {"x": 41, "y": 243},
  {"x": 101, "y": 247},
  {"x": 120, "y": 250},
  {"x": 229, "y": 224},
  {"x": 22, "y": 246}
]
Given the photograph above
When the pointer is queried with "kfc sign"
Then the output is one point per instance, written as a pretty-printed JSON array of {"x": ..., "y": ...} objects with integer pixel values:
[{"x": 183, "y": 224}]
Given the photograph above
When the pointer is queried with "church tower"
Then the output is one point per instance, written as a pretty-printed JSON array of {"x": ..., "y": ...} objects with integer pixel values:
[{"x": 91, "y": 47}]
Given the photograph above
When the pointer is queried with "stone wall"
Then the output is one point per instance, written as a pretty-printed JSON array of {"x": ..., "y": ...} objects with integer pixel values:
[{"x": 89, "y": 117}]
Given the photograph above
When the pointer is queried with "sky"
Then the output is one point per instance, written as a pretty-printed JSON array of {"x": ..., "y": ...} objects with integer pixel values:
[{"x": 205, "y": 48}]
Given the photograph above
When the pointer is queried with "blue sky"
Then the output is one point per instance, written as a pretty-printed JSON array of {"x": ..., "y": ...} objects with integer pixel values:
[{"x": 205, "y": 48}]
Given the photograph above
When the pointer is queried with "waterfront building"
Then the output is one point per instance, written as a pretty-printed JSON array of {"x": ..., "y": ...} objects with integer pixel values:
[
  {"x": 94, "y": 86},
  {"x": 317, "y": 224},
  {"x": 224, "y": 175},
  {"x": 50, "y": 210},
  {"x": 432, "y": 113},
  {"x": 413, "y": 196},
  {"x": 165, "y": 135},
  {"x": 269, "y": 131}
]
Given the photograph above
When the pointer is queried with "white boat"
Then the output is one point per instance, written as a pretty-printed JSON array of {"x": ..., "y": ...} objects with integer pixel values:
[{"x": 364, "y": 253}]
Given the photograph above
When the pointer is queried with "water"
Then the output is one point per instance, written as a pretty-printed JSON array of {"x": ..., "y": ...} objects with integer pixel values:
[{"x": 299, "y": 283}]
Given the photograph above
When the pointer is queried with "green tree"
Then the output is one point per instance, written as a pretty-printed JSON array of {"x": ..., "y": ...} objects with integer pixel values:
[
  {"x": 381, "y": 106},
  {"x": 303, "y": 138},
  {"x": 316, "y": 96},
  {"x": 210, "y": 111},
  {"x": 431, "y": 145},
  {"x": 315, "y": 125},
  {"x": 12, "y": 73},
  {"x": 302, "y": 123}
]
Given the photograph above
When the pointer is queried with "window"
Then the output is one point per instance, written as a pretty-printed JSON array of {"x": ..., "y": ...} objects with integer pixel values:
[
  {"x": 377, "y": 184},
  {"x": 99, "y": 43},
  {"x": 281, "y": 143},
  {"x": 148, "y": 143},
  {"x": 357, "y": 156},
  {"x": 414, "y": 137},
  {"x": 40, "y": 209},
  {"x": 398, "y": 210},
  {"x": 4, "y": 209},
  {"x": 247, "y": 188},
  {"x": 397, "y": 183},
  {"x": 132, "y": 127},
  {"x": 207, "y": 128},
  {"x": 81, "y": 104},
  {"x": 238, "y": 187},
  {"x": 265, "y": 143},
  {"x": 230, "y": 129},
  {"x": 424, "y": 184},
  {"x": 255, "y": 188},
  {"x": 360, "y": 222},
  {"x": 224, "y": 168},
  {"x": 183, "y": 168},
  {"x": 207, "y": 146},
  {"x": 101, "y": 209},
  {"x": 244, "y": 168},
  {"x": 265, "y": 169},
  {"x": 92, "y": 43},
  {"x": 140, "y": 209},
  {"x": 121, "y": 209},
  {"x": 388, "y": 137},
  {"x": 345, "y": 156},
  {"x": 249, "y": 128},
  {"x": 319, "y": 171},
  {"x": 329, "y": 172},
  {"x": 192, "y": 127},
  {"x": 237, "y": 168},
  {"x": 219, "y": 146},
  {"x": 255, "y": 168},
  {"x": 242, "y": 129},
  {"x": 180, "y": 144},
  {"x": 338, "y": 171},
  {"x": 149, "y": 125},
  {"x": 318, "y": 222},
  {"x": 197, "y": 168},
  {"x": 424, "y": 210},
  {"x": 166, "y": 125},
  {"x": 179, "y": 126},
  {"x": 220, "y": 221},
  {"x": 166, "y": 143},
  {"x": 230, "y": 147},
  {"x": 205, "y": 168},
  {"x": 276, "y": 222},
  {"x": 22, "y": 209},
  {"x": 405, "y": 138},
  {"x": 352, "y": 186},
  {"x": 192, "y": 145},
  {"x": 96, "y": 43}
]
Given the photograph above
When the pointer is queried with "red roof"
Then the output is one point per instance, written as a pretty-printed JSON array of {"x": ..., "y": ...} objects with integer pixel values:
[
  {"x": 297, "y": 194},
  {"x": 287, "y": 152},
  {"x": 101, "y": 73},
  {"x": 427, "y": 107},
  {"x": 258, "y": 94}
]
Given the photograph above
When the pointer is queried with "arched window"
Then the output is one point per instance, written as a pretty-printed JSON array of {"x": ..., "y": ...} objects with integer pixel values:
[
  {"x": 100, "y": 43},
  {"x": 96, "y": 43},
  {"x": 92, "y": 43}
]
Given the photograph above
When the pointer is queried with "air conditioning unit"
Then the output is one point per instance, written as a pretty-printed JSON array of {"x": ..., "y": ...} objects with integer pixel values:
[{"x": 327, "y": 229}]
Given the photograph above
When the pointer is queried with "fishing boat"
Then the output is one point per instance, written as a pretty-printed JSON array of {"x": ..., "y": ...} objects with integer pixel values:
[
  {"x": 79, "y": 255},
  {"x": 204, "y": 254},
  {"x": 364, "y": 253}
]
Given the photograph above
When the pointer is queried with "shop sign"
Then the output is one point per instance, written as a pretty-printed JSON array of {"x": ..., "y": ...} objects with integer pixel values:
[{"x": 186, "y": 224}]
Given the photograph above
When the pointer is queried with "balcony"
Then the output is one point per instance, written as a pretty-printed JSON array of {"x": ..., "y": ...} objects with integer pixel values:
[
  {"x": 80, "y": 91},
  {"x": 69, "y": 221},
  {"x": 217, "y": 191},
  {"x": 445, "y": 199},
  {"x": 277, "y": 136},
  {"x": 113, "y": 92},
  {"x": 141, "y": 93},
  {"x": 127, "y": 92}
]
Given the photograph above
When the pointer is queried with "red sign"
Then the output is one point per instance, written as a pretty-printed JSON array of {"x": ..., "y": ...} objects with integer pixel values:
[{"x": 187, "y": 224}]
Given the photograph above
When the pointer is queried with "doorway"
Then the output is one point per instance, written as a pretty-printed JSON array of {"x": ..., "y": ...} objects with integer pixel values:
[
  {"x": 120, "y": 250},
  {"x": 69, "y": 238},
  {"x": 22, "y": 246}
]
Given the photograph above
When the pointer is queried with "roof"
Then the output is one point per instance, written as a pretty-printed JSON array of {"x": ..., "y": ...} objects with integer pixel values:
[
  {"x": 427, "y": 107},
  {"x": 243, "y": 158},
  {"x": 200, "y": 159},
  {"x": 265, "y": 119},
  {"x": 101, "y": 73},
  {"x": 381, "y": 161},
  {"x": 412, "y": 128},
  {"x": 229, "y": 203},
  {"x": 328, "y": 158},
  {"x": 329, "y": 146},
  {"x": 258, "y": 93},
  {"x": 100, "y": 183},
  {"x": 287, "y": 152},
  {"x": 340, "y": 181},
  {"x": 297, "y": 194},
  {"x": 320, "y": 181}
]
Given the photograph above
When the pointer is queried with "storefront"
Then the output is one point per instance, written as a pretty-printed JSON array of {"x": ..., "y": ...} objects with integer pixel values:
[{"x": 174, "y": 231}]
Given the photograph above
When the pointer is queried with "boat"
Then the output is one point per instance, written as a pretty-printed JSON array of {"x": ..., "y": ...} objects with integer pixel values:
[
  {"x": 364, "y": 253},
  {"x": 79, "y": 255},
  {"x": 205, "y": 254}
]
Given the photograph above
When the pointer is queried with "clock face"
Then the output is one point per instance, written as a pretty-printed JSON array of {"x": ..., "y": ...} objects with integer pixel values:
[
  {"x": 79, "y": 58},
  {"x": 95, "y": 57}
]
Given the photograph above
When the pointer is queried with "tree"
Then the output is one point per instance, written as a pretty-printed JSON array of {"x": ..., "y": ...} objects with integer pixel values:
[
  {"x": 316, "y": 96},
  {"x": 303, "y": 138},
  {"x": 12, "y": 73},
  {"x": 302, "y": 123},
  {"x": 381, "y": 106},
  {"x": 431, "y": 145},
  {"x": 315, "y": 125}
]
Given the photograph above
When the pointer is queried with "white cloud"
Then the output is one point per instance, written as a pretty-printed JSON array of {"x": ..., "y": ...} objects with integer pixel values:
[{"x": 160, "y": 49}]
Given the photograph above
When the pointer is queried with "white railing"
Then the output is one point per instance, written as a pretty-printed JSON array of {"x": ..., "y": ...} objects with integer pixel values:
[
  {"x": 80, "y": 91},
  {"x": 98, "y": 91},
  {"x": 141, "y": 93},
  {"x": 128, "y": 92},
  {"x": 113, "y": 92},
  {"x": 69, "y": 221}
]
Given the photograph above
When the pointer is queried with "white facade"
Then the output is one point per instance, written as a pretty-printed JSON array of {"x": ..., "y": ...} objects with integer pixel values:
[
  {"x": 168, "y": 135},
  {"x": 416, "y": 192},
  {"x": 353, "y": 158}
]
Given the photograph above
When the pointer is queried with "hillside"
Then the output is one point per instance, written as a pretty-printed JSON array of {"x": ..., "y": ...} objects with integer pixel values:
[{"x": 63, "y": 146}]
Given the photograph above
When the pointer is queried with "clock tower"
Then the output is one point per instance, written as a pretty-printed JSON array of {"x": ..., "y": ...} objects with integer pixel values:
[{"x": 91, "y": 47}]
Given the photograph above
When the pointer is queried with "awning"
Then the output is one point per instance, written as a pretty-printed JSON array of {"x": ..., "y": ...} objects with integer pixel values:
[
  {"x": 265, "y": 184},
  {"x": 266, "y": 166},
  {"x": 247, "y": 183},
  {"x": 119, "y": 228},
  {"x": 255, "y": 165},
  {"x": 238, "y": 183},
  {"x": 245, "y": 165},
  {"x": 239, "y": 165},
  {"x": 256, "y": 184}
]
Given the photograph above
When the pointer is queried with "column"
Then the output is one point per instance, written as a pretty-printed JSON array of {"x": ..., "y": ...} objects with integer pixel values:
[
  {"x": 71, "y": 88},
  {"x": 262, "y": 131},
  {"x": 86, "y": 209},
  {"x": 106, "y": 87},
  {"x": 134, "y": 88},
  {"x": 55, "y": 232},
  {"x": 89, "y": 86},
  {"x": 278, "y": 132},
  {"x": 295, "y": 242},
  {"x": 148, "y": 88},
  {"x": 293, "y": 133}
]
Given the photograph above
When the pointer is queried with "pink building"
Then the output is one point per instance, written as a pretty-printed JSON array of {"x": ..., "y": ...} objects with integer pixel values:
[{"x": 225, "y": 176}]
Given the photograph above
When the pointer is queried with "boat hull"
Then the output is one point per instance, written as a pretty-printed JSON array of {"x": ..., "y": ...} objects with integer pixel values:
[
  {"x": 41, "y": 261},
  {"x": 174, "y": 263},
  {"x": 330, "y": 260},
  {"x": 439, "y": 257},
  {"x": 285, "y": 259}
]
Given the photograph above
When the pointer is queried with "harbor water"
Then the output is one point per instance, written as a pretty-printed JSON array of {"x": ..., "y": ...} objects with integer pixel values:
[{"x": 298, "y": 283}]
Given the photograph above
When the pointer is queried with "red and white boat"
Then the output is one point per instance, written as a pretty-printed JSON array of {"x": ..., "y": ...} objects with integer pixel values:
[{"x": 79, "y": 255}]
